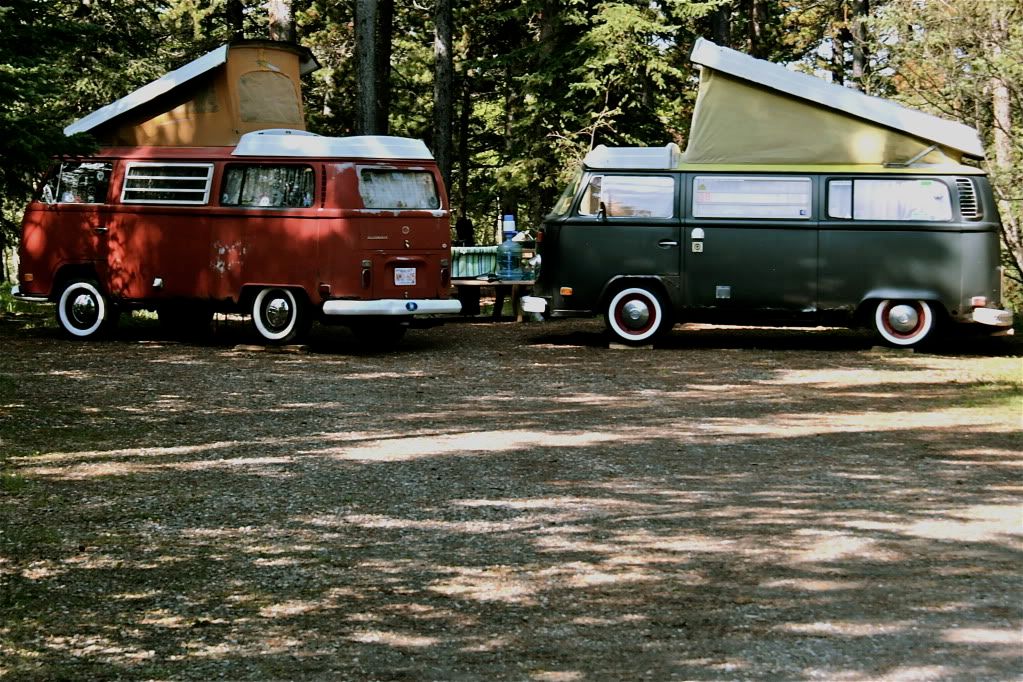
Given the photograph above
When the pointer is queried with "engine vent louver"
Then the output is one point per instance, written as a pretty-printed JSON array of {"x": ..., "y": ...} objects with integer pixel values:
[{"x": 968, "y": 205}]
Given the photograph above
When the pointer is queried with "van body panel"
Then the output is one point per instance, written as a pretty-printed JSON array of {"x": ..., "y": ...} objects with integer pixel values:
[
  {"x": 906, "y": 236},
  {"x": 173, "y": 227},
  {"x": 738, "y": 265}
]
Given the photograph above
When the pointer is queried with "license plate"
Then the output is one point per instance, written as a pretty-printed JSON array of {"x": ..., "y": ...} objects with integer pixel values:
[{"x": 404, "y": 277}]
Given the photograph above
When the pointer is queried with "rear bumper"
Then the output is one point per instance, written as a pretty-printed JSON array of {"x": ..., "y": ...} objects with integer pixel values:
[
  {"x": 991, "y": 317},
  {"x": 30, "y": 298},
  {"x": 533, "y": 304},
  {"x": 393, "y": 307}
]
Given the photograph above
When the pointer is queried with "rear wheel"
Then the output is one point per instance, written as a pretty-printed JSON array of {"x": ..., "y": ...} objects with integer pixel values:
[
  {"x": 279, "y": 316},
  {"x": 903, "y": 323},
  {"x": 83, "y": 311},
  {"x": 636, "y": 316}
]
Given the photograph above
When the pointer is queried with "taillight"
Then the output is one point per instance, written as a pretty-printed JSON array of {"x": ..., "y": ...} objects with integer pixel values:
[
  {"x": 539, "y": 236},
  {"x": 366, "y": 274}
]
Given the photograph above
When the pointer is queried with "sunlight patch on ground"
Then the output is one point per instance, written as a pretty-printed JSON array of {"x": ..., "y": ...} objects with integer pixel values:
[
  {"x": 846, "y": 628},
  {"x": 996, "y": 636},
  {"x": 827, "y": 546},
  {"x": 814, "y": 585},
  {"x": 408, "y": 449},
  {"x": 393, "y": 639},
  {"x": 919, "y": 673},
  {"x": 981, "y": 523}
]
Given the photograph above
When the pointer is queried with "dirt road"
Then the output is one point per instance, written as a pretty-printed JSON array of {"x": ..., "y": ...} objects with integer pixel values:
[{"x": 509, "y": 502}]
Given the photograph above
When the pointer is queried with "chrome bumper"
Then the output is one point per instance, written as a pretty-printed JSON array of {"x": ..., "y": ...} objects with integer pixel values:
[
  {"x": 30, "y": 298},
  {"x": 533, "y": 304},
  {"x": 991, "y": 317},
  {"x": 393, "y": 307}
]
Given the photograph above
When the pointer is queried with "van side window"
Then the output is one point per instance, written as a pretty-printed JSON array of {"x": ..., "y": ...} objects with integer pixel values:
[
  {"x": 910, "y": 199},
  {"x": 269, "y": 186},
  {"x": 382, "y": 188},
  {"x": 167, "y": 183},
  {"x": 629, "y": 196},
  {"x": 729, "y": 196},
  {"x": 77, "y": 183}
]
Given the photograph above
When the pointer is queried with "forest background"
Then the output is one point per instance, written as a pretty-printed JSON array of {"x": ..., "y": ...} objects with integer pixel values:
[{"x": 510, "y": 95}]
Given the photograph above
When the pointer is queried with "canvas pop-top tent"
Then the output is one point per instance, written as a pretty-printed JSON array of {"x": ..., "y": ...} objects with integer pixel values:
[
  {"x": 211, "y": 101},
  {"x": 752, "y": 111}
]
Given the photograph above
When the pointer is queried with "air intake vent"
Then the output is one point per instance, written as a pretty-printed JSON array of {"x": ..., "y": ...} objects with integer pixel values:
[{"x": 968, "y": 205}]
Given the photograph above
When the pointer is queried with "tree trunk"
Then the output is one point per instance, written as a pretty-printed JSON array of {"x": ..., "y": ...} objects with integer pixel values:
[
  {"x": 463, "y": 146},
  {"x": 861, "y": 10},
  {"x": 385, "y": 27},
  {"x": 721, "y": 24},
  {"x": 442, "y": 96},
  {"x": 1002, "y": 132},
  {"x": 235, "y": 15},
  {"x": 365, "y": 67},
  {"x": 282, "y": 21},
  {"x": 757, "y": 22}
]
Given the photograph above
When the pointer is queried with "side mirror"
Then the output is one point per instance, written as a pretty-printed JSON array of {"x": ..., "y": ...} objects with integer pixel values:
[{"x": 602, "y": 212}]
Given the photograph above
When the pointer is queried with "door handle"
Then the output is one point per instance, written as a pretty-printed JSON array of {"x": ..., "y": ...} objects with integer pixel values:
[
  {"x": 100, "y": 230},
  {"x": 667, "y": 243}
]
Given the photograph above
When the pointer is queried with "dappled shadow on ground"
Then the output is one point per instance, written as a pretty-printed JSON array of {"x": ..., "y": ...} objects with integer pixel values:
[{"x": 509, "y": 503}]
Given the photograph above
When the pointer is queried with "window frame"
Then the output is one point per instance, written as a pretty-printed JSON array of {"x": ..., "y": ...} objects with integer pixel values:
[
  {"x": 852, "y": 180},
  {"x": 209, "y": 166},
  {"x": 585, "y": 182},
  {"x": 691, "y": 204},
  {"x": 57, "y": 172},
  {"x": 246, "y": 166},
  {"x": 414, "y": 171}
]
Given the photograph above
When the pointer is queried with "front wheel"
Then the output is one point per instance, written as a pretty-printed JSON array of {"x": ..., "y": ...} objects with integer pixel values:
[
  {"x": 904, "y": 323},
  {"x": 279, "y": 316},
  {"x": 83, "y": 311},
  {"x": 636, "y": 316}
]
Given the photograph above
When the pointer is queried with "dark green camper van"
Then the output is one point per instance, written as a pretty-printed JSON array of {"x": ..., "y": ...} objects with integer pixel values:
[
  {"x": 648, "y": 242},
  {"x": 797, "y": 201}
]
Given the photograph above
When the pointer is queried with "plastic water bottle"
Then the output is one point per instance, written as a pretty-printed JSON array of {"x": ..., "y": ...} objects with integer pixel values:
[{"x": 509, "y": 253}]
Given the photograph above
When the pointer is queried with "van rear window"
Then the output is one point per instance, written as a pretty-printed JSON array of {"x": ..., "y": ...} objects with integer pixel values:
[
  {"x": 167, "y": 183},
  {"x": 915, "y": 199},
  {"x": 398, "y": 189},
  {"x": 729, "y": 196}
]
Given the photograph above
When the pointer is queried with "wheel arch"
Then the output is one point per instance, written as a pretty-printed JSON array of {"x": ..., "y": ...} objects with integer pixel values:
[
  {"x": 864, "y": 313},
  {"x": 654, "y": 282}
]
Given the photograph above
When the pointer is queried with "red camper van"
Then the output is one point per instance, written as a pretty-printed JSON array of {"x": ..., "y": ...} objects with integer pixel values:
[{"x": 286, "y": 226}]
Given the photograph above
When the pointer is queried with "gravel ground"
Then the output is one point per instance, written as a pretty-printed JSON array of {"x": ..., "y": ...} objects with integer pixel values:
[{"x": 509, "y": 502}]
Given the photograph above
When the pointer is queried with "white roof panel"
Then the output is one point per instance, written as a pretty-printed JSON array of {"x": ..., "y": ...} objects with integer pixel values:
[
  {"x": 803, "y": 86},
  {"x": 650, "y": 158},
  {"x": 151, "y": 91},
  {"x": 281, "y": 142}
]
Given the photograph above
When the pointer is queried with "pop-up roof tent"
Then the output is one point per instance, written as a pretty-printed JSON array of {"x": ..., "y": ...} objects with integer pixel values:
[
  {"x": 753, "y": 111},
  {"x": 212, "y": 101}
]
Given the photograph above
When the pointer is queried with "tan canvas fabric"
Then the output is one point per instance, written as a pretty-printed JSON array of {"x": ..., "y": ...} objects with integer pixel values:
[
  {"x": 738, "y": 122},
  {"x": 257, "y": 88}
]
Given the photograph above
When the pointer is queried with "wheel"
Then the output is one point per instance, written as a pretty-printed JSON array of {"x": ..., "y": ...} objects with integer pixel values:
[
  {"x": 278, "y": 316},
  {"x": 83, "y": 311},
  {"x": 379, "y": 335},
  {"x": 636, "y": 315},
  {"x": 904, "y": 323}
]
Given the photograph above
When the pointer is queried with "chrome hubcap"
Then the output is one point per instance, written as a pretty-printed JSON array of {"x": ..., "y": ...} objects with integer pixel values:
[
  {"x": 84, "y": 309},
  {"x": 635, "y": 314},
  {"x": 278, "y": 313},
  {"x": 903, "y": 318}
]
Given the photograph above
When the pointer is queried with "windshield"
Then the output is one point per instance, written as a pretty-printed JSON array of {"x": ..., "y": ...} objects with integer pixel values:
[{"x": 564, "y": 203}]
